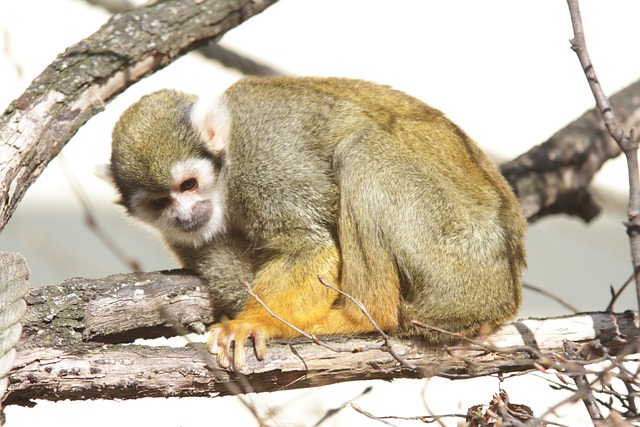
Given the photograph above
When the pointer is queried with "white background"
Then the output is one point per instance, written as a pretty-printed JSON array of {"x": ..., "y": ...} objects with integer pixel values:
[{"x": 501, "y": 69}]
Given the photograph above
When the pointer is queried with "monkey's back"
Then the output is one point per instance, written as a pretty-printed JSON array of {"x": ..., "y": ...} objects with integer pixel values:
[{"x": 421, "y": 211}]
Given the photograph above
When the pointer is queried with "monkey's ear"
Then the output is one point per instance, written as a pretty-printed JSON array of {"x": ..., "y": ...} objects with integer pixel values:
[
  {"x": 212, "y": 120},
  {"x": 105, "y": 172}
]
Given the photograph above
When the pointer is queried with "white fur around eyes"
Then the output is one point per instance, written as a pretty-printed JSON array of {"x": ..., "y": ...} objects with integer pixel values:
[{"x": 209, "y": 188}]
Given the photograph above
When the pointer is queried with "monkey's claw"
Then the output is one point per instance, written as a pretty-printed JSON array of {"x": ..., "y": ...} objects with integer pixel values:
[{"x": 235, "y": 332}]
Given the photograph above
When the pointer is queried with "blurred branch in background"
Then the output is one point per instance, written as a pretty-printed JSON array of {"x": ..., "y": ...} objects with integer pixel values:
[
  {"x": 114, "y": 6},
  {"x": 554, "y": 177},
  {"x": 90, "y": 217}
]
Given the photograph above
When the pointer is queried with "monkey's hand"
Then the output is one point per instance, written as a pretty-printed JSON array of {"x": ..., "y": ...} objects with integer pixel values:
[
  {"x": 236, "y": 332},
  {"x": 288, "y": 285}
]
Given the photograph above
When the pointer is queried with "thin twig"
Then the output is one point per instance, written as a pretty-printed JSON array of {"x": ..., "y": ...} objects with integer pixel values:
[
  {"x": 584, "y": 388},
  {"x": 90, "y": 218},
  {"x": 548, "y": 294},
  {"x": 616, "y": 294},
  {"x": 295, "y": 328},
  {"x": 631, "y": 398},
  {"x": 388, "y": 347},
  {"x": 426, "y": 405},
  {"x": 333, "y": 411},
  {"x": 627, "y": 143},
  {"x": 427, "y": 419}
]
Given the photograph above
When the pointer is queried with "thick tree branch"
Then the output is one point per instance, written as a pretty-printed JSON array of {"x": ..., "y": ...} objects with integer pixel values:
[
  {"x": 67, "y": 350},
  {"x": 117, "y": 308},
  {"x": 79, "y": 82},
  {"x": 211, "y": 50},
  {"x": 554, "y": 177}
]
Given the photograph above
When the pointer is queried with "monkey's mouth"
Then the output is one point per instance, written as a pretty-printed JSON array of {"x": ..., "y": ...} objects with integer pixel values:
[{"x": 189, "y": 226}]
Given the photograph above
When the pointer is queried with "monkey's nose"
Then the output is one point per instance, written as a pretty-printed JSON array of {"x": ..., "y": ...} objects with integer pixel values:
[{"x": 193, "y": 219}]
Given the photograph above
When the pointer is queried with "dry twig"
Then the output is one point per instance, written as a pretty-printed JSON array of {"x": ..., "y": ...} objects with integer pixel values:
[
  {"x": 388, "y": 347},
  {"x": 627, "y": 143}
]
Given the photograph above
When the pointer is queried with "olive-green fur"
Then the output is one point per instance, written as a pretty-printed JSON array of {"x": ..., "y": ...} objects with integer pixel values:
[
  {"x": 427, "y": 227},
  {"x": 414, "y": 199},
  {"x": 149, "y": 138}
]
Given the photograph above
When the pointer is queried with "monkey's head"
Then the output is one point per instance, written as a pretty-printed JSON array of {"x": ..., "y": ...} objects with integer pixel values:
[{"x": 165, "y": 173}]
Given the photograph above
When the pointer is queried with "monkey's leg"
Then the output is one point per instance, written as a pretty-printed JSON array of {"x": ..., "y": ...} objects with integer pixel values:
[
  {"x": 418, "y": 244},
  {"x": 367, "y": 210},
  {"x": 289, "y": 286}
]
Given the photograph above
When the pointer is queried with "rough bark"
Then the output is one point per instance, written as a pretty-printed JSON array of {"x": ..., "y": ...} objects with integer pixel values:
[
  {"x": 117, "y": 308},
  {"x": 554, "y": 177},
  {"x": 76, "y": 86},
  {"x": 68, "y": 349}
]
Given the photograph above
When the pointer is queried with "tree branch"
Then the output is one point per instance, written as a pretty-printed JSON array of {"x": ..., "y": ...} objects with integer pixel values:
[
  {"x": 72, "y": 348},
  {"x": 627, "y": 142},
  {"x": 211, "y": 50},
  {"x": 79, "y": 82},
  {"x": 554, "y": 177}
]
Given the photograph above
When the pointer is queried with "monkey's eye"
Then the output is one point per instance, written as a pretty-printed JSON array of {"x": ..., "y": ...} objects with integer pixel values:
[
  {"x": 160, "y": 203},
  {"x": 189, "y": 184}
]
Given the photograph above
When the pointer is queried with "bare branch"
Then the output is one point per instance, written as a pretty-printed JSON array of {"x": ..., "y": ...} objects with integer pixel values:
[
  {"x": 211, "y": 50},
  {"x": 65, "y": 350},
  {"x": 584, "y": 388},
  {"x": 423, "y": 418},
  {"x": 552, "y": 296},
  {"x": 616, "y": 294},
  {"x": 627, "y": 143},
  {"x": 334, "y": 411},
  {"x": 579, "y": 46}
]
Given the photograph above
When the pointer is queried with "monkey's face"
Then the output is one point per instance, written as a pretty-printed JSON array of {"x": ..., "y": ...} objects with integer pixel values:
[{"x": 191, "y": 212}]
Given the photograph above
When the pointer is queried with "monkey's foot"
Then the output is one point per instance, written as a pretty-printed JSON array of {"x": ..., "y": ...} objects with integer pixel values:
[{"x": 236, "y": 332}]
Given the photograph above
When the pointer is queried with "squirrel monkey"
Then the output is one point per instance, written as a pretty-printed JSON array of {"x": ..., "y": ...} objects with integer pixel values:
[{"x": 286, "y": 179}]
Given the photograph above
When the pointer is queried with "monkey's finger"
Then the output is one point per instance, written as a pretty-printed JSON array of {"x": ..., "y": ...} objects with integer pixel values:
[
  {"x": 238, "y": 352},
  {"x": 223, "y": 358},
  {"x": 224, "y": 350},
  {"x": 260, "y": 344},
  {"x": 212, "y": 342}
]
